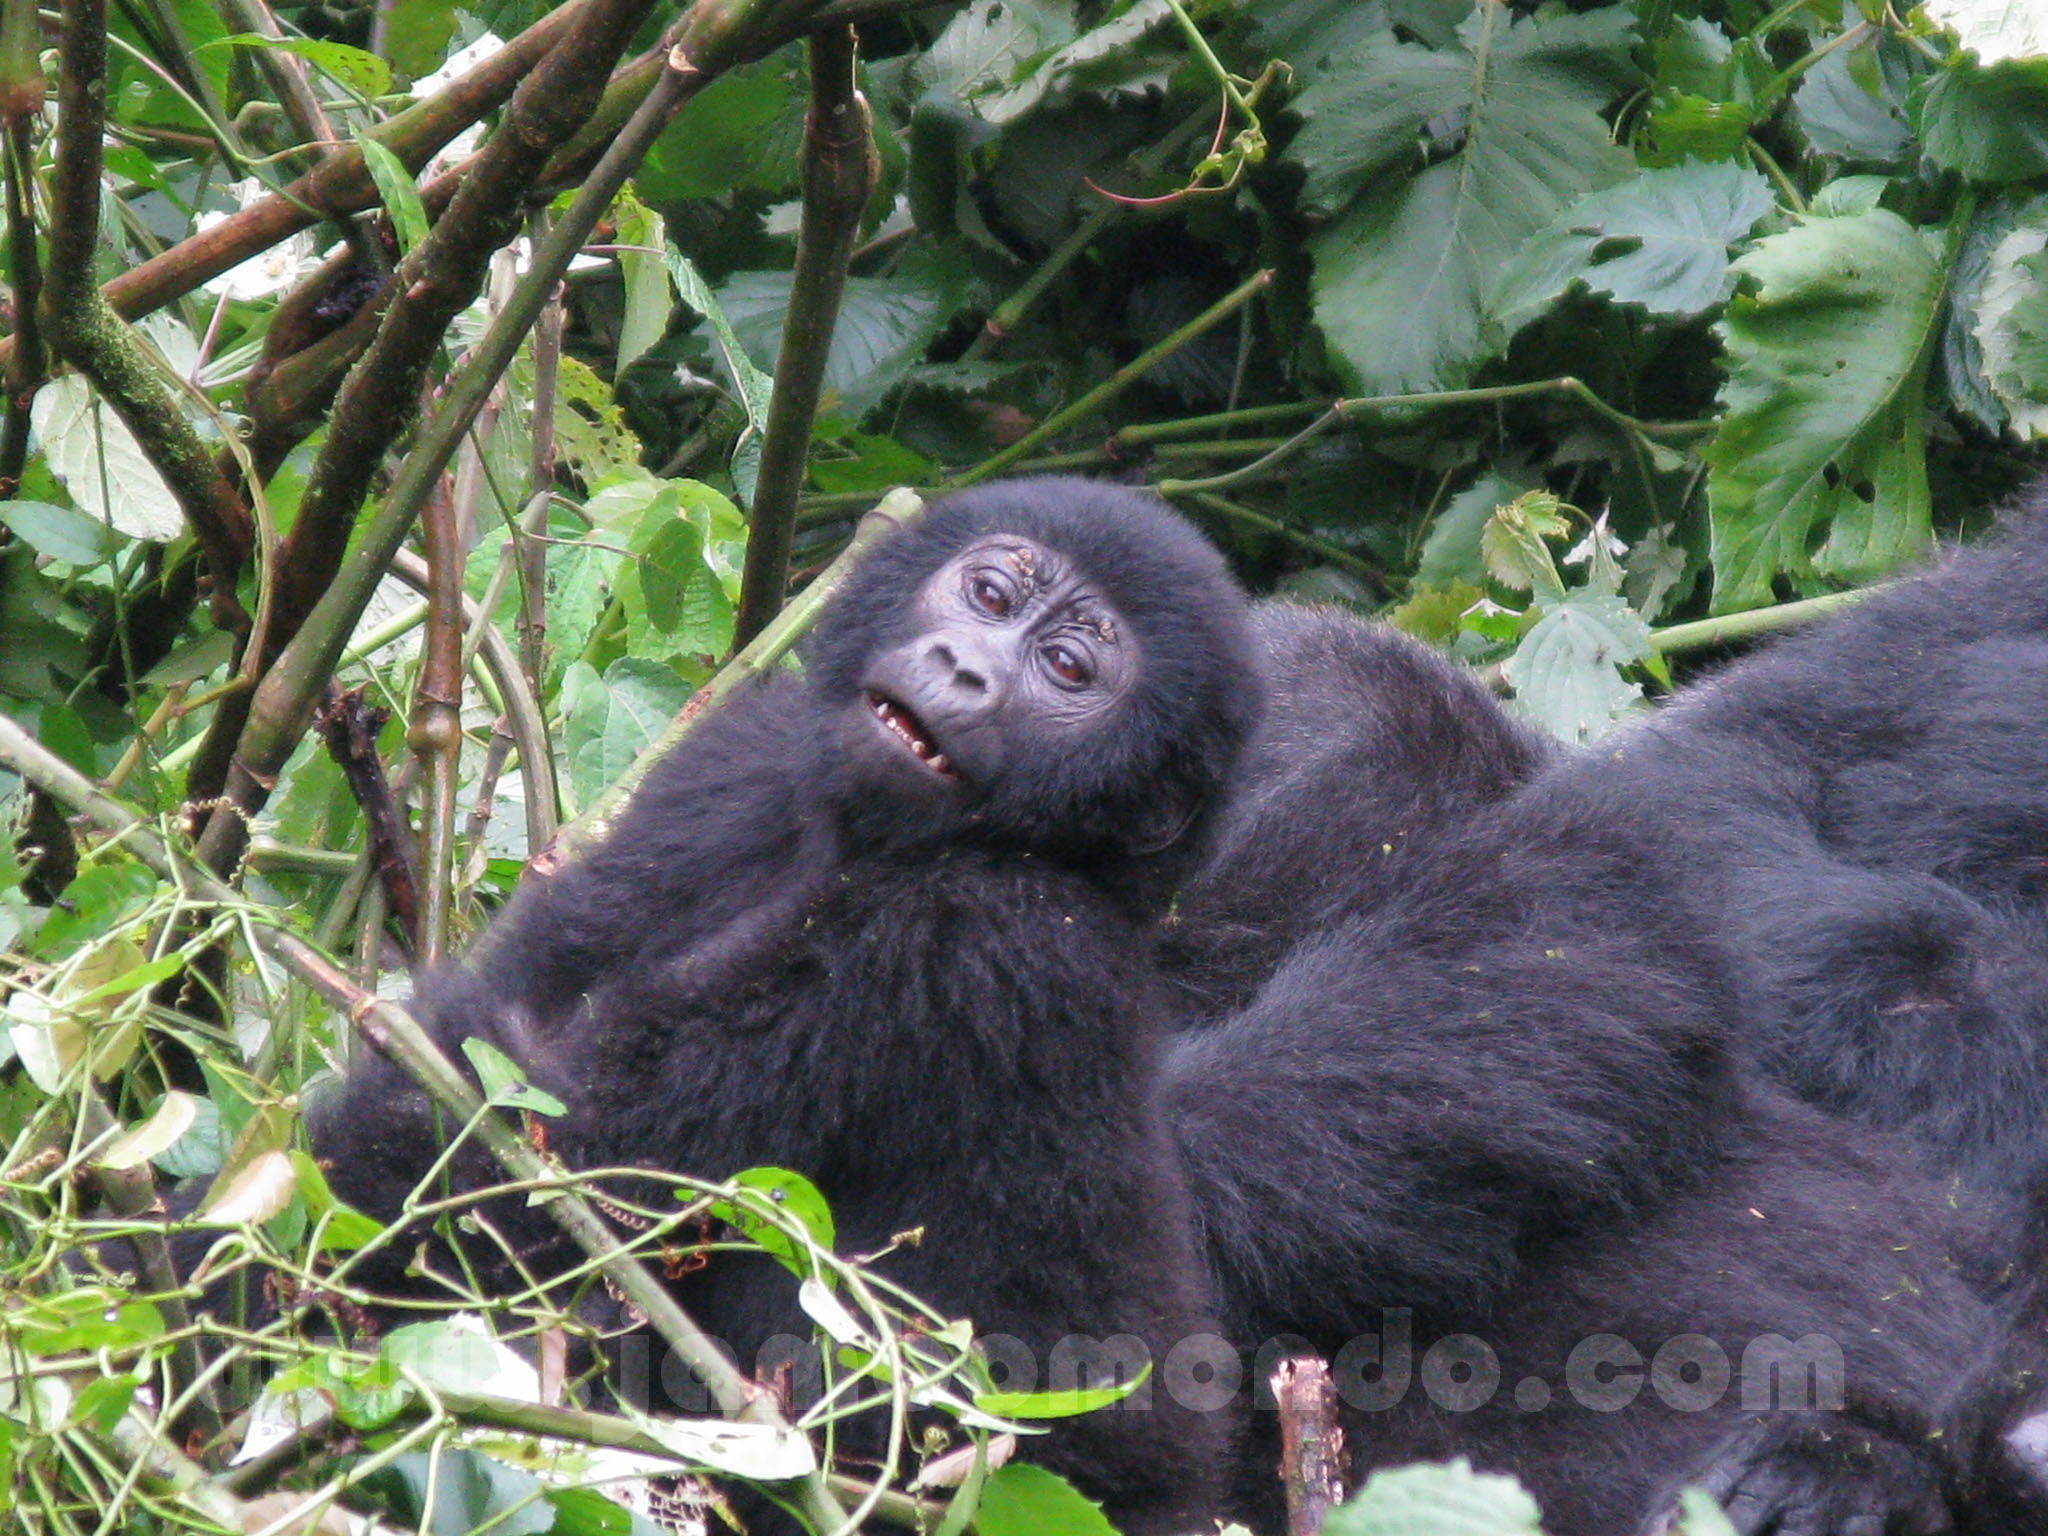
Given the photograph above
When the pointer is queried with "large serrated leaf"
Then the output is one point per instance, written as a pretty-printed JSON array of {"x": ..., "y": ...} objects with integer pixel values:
[
  {"x": 1566, "y": 673},
  {"x": 1427, "y": 1500},
  {"x": 1514, "y": 110},
  {"x": 1659, "y": 239},
  {"x": 992, "y": 44},
  {"x": 885, "y": 324},
  {"x": 612, "y": 718},
  {"x": 1989, "y": 124},
  {"x": 1827, "y": 369}
]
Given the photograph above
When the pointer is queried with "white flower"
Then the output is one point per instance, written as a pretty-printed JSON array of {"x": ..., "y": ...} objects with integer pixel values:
[{"x": 1599, "y": 534}]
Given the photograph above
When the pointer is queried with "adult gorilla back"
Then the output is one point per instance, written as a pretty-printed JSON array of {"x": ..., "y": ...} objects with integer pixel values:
[
  {"x": 1471, "y": 1082},
  {"x": 876, "y": 924}
]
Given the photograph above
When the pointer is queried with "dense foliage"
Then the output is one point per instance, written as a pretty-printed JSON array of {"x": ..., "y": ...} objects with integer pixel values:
[{"x": 1576, "y": 336}]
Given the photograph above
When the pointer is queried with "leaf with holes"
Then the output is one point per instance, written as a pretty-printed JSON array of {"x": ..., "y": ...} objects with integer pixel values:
[{"x": 1823, "y": 432}]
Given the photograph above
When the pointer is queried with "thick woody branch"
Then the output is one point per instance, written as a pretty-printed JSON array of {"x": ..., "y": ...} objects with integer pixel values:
[{"x": 840, "y": 167}]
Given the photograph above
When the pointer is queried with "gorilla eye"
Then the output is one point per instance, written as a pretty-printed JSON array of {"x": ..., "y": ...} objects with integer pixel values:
[
  {"x": 1070, "y": 664},
  {"x": 989, "y": 595}
]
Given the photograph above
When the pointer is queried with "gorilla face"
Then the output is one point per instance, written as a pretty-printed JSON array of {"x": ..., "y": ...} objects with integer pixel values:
[{"x": 1015, "y": 662}]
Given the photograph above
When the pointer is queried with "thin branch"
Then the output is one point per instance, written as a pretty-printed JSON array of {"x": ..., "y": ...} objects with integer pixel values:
[
  {"x": 1096, "y": 398},
  {"x": 839, "y": 170},
  {"x": 339, "y": 184},
  {"x": 434, "y": 731},
  {"x": 1729, "y": 628},
  {"x": 286, "y": 74}
]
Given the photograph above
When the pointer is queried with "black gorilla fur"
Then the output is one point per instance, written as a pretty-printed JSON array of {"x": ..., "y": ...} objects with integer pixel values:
[
  {"x": 929, "y": 1009},
  {"x": 1464, "y": 1088},
  {"x": 1468, "y": 1055},
  {"x": 1864, "y": 808}
]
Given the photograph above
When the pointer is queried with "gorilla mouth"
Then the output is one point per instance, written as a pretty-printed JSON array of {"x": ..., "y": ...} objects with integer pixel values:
[{"x": 912, "y": 732}]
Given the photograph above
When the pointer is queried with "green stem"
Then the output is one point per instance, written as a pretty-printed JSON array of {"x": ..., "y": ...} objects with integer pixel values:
[
  {"x": 1121, "y": 380},
  {"x": 1705, "y": 634},
  {"x": 1009, "y": 314},
  {"x": 1567, "y": 385},
  {"x": 1252, "y": 518}
]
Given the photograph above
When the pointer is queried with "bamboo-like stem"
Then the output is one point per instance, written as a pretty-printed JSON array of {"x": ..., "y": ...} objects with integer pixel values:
[
  {"x": 434, "y": 731},
  {"x": 1365, "y": 405},
  {"x": 839, "y": 170}
]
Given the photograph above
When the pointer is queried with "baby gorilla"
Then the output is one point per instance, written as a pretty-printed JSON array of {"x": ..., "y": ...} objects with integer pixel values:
[{"x": 875, "y": 923}]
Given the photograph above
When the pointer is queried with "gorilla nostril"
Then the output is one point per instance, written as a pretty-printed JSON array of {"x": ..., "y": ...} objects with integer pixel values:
[{"x": 967, "y": 677}]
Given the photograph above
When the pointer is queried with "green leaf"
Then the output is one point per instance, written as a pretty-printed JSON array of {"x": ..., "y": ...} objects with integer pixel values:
[
  {"x": 471, "y": 1492},
  {"x": 1511, "y": 118},
  {"x": 98, "y": 900},
  {"x": 992, "y": 44},
  {"x": 1058, "y": 1405},
  {"x": 744, "y": 131},
  {"x": 85, "y": 1319},
  {"x": 1840, "y": 117},
  {"x": 1659, "y": 239},
  {"x": 1022, "y": 1500},
  {"x": 1451, "y": 553},
  {"x": 1429, "y": 1500},
  {"x": 752, "y": 383},
  {"x": 885, "y": 324},
  {"x": 1566, "y": 673},
  {"x": 2009, "y": 321},
  {"x": 357, "y": 69},
  {"x": 504, "y": 1084},
  {"x": 1827, "y": 367},
  {"x": 1513, "y": 545},
  {"x": 791, "y": 1194},
  {"x": 395, "y": 187},
  {"x": 1989, "y": 124},
  {"x": 611, "y": 719},
  {"x": 102, "y": 1403},
  {"x": 91, "y": 450},
  {"x": 61, "y": 533},
  {"x": 417, "y": 33}
]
